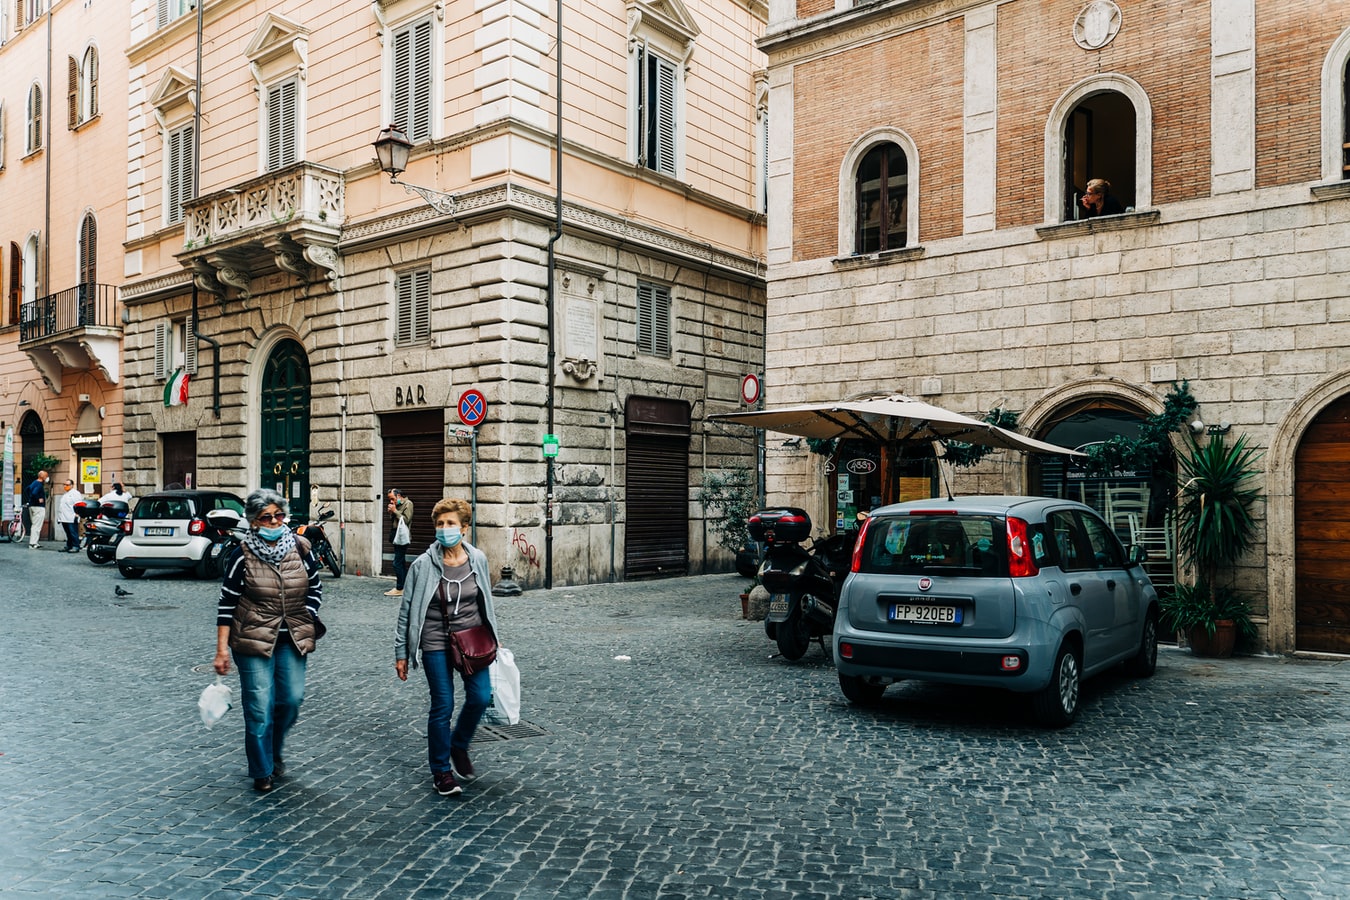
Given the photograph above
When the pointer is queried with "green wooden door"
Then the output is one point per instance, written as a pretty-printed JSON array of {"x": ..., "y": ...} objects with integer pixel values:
[{"x": 285, "y": 425}]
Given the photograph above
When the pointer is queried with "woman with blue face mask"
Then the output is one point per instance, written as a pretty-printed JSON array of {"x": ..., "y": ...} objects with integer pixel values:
[
  {"x": 268, "y": 617},
  {"x": 447, "y": 590}
]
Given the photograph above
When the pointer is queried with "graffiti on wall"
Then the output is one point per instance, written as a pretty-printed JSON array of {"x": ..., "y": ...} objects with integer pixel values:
[{"x": 527, "y": 550}]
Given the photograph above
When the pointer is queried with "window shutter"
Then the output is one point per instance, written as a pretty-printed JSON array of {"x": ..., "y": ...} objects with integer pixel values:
[
  {"x": 91, "y": 79},
  {"x": 162, "y": 13},
  {"x": 179, "y": 161},
  {"x": 665, "y": 117},
  {"x": 88, "y": 261},
  {"x": 15, "y": 281},
  {"x": 34, "y": 118},
  {"x": 642, "y": 105},
  {"x": 402, "y": 87},
  {"x": 281, "y": 125},
  {"x": 412, "y": 314},
  {"x": 161, "y": 350},
  {"x": 419, "y": 125},
  {"x": 72, "y": 92},
  {"x": 764, "y": 161},
  {"x": 190, "y": 346},
  {"x": 18, "y": 15}
]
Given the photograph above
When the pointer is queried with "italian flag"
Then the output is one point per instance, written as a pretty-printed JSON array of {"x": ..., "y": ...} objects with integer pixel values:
[{"x": 176, "y": 391}]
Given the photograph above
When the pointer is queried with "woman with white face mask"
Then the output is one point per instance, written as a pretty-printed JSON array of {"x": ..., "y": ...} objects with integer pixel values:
[
  {"x": 446, "y": 597},
  {"x": 268, "y": 618}
]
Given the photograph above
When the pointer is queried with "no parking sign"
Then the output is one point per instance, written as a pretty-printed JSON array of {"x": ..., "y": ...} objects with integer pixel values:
[{"x": 472, "y": 407}]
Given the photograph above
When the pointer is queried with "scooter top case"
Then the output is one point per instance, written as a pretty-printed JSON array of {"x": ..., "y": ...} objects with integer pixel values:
[{"x": 789, "y": 525}]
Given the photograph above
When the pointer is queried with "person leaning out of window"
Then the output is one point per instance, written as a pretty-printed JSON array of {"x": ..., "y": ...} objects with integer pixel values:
[{"x": 1097, "y": 200}]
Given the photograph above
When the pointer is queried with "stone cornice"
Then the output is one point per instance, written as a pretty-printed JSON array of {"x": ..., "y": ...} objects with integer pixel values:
[
  {"x": 1336, "y": 190},
  {"x": 181, "y": 29},
  {"x": 476, "y": 205},
  {"x": 134, "y": 292},
  {"x": 799, "y": 40},
  {"x": 1120, "y": 222}
]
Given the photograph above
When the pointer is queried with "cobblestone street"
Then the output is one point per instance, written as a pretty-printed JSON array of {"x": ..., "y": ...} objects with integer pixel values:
[{"x": 663, "y": 753}]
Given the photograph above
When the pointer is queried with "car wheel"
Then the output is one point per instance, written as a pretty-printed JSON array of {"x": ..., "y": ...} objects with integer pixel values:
[
  {"x": 1056, "y": 704},
  {"x": 860, "y": 691},
  {"x": 1145, "y": 662},
  {"x": 329, "y": 559},
  {"x": 794, "y": 635},
  {"x": 129, "y": 571}
]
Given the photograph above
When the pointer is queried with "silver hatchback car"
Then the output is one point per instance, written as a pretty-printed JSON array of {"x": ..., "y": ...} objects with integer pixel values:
[{"x": 1030, "y": 594}]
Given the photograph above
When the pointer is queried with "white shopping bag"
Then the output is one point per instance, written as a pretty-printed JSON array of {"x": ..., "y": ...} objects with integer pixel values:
[
  {"x": 214, "y": 702},
  {"x": 505, "y": 686}
]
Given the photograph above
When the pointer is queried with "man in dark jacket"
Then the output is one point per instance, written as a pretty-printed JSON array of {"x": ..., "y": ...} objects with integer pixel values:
[{"x": 36, "y": 498}]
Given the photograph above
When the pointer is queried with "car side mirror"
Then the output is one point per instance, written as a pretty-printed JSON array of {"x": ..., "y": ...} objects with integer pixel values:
[{"x": 1137, "y": 554}]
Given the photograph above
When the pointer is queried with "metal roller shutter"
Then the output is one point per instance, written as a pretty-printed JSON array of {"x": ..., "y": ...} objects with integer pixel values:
[
  {"x": 656, "y": 537},
  {"x": 414, "y": 462}
]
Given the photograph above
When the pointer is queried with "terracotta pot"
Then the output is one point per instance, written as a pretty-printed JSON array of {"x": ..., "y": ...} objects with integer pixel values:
[
  {"x": 1220, "y": 645},
  {"x": 745, "y": 606}
]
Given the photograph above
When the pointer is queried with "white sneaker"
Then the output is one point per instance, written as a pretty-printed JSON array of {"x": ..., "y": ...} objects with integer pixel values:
[{"x": 393, "y": 592}]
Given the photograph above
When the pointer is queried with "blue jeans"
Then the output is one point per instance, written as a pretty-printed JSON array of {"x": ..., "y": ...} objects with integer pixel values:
[
  {"x": 272, "y": 690},
  {"x": 477, "y": 696},
  {"x": 72, "y": 535}
]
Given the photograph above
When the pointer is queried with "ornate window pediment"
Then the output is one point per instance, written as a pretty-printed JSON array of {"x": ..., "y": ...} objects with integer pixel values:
[
  {"x": 280, "y": 44},
  {"x": 666, "y": 24},
  {"x": 175, "y": 89}
]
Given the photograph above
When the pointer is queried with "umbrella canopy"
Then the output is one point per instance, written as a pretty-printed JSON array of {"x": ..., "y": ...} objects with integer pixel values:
[{"x": 893, "y": 419}]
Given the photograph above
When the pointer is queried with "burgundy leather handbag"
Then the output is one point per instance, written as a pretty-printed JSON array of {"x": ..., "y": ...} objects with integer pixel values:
[{"x": 473, "y": 649}]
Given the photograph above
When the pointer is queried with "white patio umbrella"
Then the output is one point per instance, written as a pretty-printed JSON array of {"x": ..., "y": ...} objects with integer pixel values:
[{"x": 889, "y": 421}]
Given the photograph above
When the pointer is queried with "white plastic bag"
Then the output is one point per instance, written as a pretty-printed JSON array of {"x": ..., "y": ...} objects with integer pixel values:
[
  {"x": 402, "y": 537},
  {"x": 505, "y": 686},
  {"x": 214, "y": 702}
]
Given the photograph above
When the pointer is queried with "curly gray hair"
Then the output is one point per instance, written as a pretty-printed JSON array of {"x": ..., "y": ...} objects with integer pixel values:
[{"x": 262, "y": 498}]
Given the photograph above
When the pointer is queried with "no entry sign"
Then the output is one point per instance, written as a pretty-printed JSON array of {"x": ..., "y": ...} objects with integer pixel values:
[
  {"x": 472, "y": 407},
  {"x": 750, "y": 389}
]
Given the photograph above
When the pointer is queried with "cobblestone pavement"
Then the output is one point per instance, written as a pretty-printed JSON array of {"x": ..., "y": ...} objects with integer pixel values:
[{"x": 675, "y": 758}]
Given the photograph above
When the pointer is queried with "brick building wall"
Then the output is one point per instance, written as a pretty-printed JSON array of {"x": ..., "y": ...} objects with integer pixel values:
[
  {"x": 1288, "y": 65},
  {"x": 1161, "y": 45},
  {"x": 912, "y": 82}
]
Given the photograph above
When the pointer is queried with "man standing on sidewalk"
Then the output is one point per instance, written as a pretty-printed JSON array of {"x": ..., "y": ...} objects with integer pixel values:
[
  {"x": 401, "y": 514},
  {"x": 65, "y": 515},
  {"x": 36, "y": 498}
]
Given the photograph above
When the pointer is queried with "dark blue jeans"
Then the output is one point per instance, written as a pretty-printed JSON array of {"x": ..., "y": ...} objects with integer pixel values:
[
  {"x": 400, "y": 564},
  {"x": 477, "y": 696},
  {"x": 72, "y": 535},
  {"x": 272, "y": 690}
]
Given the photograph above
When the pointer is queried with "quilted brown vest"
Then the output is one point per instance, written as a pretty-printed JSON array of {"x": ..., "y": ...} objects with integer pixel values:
[{"x": 270, "y": 594}]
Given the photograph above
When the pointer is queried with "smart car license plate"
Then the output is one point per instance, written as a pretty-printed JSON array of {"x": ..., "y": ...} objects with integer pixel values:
[
  {"x": 159, "y": 532},
  {"x": 925, "y": 614}
]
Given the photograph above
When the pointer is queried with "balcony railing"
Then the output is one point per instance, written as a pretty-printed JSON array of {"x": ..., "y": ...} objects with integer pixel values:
[{"x": 68, "y": 312}]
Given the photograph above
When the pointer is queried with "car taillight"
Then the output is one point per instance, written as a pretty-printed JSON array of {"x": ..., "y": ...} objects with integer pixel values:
[
  {"x": 846, "y": 651},
  {"x": 1021, "y": 564},
  {"x": 125, "y": 527},
  {"x": 196, "y": 526},
  {"x": 856, "y": 564}
]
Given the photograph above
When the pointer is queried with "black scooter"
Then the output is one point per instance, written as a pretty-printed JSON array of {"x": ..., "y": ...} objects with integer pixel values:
[
  {"x": 803, "y": 583},
  {"x": 318, "y": 540},
  {"x": 102, "y": 529}
]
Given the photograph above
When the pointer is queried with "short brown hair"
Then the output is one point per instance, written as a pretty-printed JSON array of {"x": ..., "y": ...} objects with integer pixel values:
[{"x": 455, "y": 505}]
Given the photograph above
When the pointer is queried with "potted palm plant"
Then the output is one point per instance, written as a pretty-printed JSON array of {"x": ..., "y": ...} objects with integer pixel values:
[{"x": 1215, "y": 527}]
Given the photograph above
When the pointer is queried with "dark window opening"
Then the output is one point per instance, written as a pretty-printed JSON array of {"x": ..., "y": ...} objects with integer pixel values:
[
  {"x": 1345, "y": 125},
  {"x": 883, "y": 199},
  {"x": 1099, "y": 142}
]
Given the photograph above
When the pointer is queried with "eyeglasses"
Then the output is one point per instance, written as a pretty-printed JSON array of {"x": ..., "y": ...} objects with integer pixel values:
[{"x": 271, "y": 517}]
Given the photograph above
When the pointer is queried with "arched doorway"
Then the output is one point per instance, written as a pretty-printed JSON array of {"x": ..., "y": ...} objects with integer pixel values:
[
  {"x": 285, "y": 425},
  {"x": 32, "y": 444},
  {"x": 1126, "y": 499},
  {"x": 1322, "y": 533}
]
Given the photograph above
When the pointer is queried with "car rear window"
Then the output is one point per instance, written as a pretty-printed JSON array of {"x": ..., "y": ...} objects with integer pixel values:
[
  {"x": 937, "y": 544},
  {"x": 163, "y": 508}
]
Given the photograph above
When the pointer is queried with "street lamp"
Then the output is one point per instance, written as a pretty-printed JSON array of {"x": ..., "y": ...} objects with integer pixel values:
[{"x": 392, "y": 148}]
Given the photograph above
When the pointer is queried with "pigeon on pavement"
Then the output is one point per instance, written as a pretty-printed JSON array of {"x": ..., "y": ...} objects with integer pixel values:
[{"x": 121, "y": 593}]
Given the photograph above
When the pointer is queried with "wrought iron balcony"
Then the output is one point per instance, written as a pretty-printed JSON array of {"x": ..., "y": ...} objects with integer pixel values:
[
  {"x": 78, "y": 328},
  {"x": 288, "y": 220}
]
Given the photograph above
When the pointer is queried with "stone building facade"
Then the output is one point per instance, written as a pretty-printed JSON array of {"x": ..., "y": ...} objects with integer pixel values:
[
  {"x": 62, "y": 102},
  {"x": 338, "y": 328},
  {"x": 929, "y": 236}
]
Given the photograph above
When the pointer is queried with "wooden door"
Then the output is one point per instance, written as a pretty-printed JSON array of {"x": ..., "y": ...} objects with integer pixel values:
[
  {"x": 285, "y": 426},
  {"x": 1322, "y": 533}
]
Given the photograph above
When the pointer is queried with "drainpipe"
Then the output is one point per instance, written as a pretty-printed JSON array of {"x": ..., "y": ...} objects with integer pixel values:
[
  {"x": 551, "y": 300},
  {"x": 47, "y": 188},
  {"x": 196, "y": 176}
]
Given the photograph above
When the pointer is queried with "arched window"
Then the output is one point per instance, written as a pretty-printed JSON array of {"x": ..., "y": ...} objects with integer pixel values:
[
  {"x": 882, "y": 191},
  {"x": 87, "y": 260},
  {"x": 1099, "y": 144},
  {"x": 34, "y": 142},
  {"x": 82, "y": 88},
  {"x": 30, "y": 269},
  {"x": 1101, "y": 128},
  {"x": 1336, "y": 110}
]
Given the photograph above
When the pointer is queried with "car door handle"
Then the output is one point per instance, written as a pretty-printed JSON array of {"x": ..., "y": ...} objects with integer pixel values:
[
  {"x": 1110, "y": 584},
  {"x": 1075, "y": 589}
]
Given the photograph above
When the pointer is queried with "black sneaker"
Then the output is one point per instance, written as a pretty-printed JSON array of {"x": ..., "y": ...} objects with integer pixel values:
[
  {"x": 445, "y": 783},
  {"x": 262, "y": 785},
  {"x": 460, "y": 765}
]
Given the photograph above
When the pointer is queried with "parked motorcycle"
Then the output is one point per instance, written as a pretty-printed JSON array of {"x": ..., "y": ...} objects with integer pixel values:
[
  {"x": 318, "y": 540},
  {"x": 102, "y": 529},
  {"x": 803, "y": 582}
]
